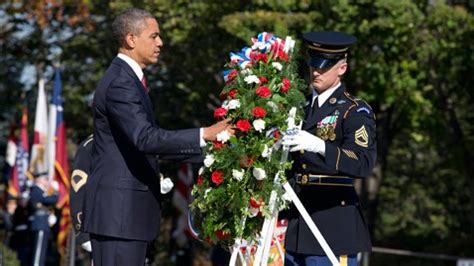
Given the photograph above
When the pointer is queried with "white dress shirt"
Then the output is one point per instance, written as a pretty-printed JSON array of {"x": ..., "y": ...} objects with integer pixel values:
[{"x": 325, "y": 95}]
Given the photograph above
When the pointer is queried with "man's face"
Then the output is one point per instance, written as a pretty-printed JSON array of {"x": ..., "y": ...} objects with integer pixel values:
[
  {"x": 323, "y": 79},
  {"x": 147, "y": 44}
]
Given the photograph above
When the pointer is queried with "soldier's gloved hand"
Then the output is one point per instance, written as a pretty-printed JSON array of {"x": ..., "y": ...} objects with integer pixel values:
[
  {"x": 87, "y": 246},
  {"x": 303, "y": 140},
  {"x": 166, "y": 185},
  {"x": 55, "y": 185}
]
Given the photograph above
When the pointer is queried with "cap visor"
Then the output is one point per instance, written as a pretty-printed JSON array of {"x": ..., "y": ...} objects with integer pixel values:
[{"x": 318, "y": 62}]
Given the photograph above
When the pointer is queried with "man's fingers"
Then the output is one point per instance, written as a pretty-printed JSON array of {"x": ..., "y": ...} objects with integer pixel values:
[{"x": 296, "y": 148}]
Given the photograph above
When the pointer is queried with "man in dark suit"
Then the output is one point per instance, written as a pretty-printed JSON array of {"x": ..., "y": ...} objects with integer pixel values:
[
  {"x": 122, "y": 208},
  {"x": 336, "y": 145}
]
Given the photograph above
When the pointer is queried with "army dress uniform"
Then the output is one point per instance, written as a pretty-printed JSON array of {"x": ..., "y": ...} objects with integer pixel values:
[
  {"x": 79, "y": 177},
  {"x": 325, "y": 183}
]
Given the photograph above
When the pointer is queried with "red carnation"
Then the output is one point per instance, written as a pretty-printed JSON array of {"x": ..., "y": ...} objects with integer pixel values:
[
  {"x": 276, "y": 134},
  {"x": 259, "y": 57},
  {"x": 217, "y": 177},
  {"x": 222, "y": 235},
  {"x": 263, "y": 80},
  {"x": 232, "y": 93},
  {"x": 217, "y": 144},
  {"x": 255, "y": 203},
  {"x": 283, "y": 56},
  {"x": 220, "y": 112},
  {"x": 199, "y": 180},
  {"x": 231, "y": 75},
  {"x": 263, "y": 92},
  {"x": 243, "y": 125},
  {"x": 285, "y": 85},
  {"x": 259, "y": 112}
]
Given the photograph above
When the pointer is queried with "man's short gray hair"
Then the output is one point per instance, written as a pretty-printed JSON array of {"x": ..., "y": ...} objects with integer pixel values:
[{"x": 129, "y": 21}]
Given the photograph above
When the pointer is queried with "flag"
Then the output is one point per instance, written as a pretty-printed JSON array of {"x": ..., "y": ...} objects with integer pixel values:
[
  {"x": 18, "y": 177},
  {"x": 181, "y": 200},
  {"x": 60, "y": 170},
  {"x": 39, "y": 163}
]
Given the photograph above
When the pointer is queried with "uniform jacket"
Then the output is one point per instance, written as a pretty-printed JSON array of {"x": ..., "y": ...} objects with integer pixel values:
[
  {"x": 39, "y": 202},
  {"x": 79, "y": 178},
  {"x": 123, "y": 195},
  {"x": 348, "y": 127}
]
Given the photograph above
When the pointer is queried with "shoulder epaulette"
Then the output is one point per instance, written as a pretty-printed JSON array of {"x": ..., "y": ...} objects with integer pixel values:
[
  {"x": 352, "y": 99},
  {"x": 88, "y": 140}
]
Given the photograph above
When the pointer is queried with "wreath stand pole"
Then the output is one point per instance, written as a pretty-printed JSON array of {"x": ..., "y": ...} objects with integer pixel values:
[{"x": 261, "y": 257}]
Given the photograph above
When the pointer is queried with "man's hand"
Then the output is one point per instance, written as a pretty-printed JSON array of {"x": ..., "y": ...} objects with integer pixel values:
[
  {"x": 303, "y": 140},
  {"x": 210, "y": 133}
]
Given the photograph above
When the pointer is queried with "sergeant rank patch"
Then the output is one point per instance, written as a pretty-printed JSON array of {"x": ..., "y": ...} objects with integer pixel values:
[{"x": 361, "y": 137}]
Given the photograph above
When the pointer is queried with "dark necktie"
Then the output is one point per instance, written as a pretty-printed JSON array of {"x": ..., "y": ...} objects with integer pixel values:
[
  {"x": 312, "y": 112},
  {"x": 145, "y": 85}
]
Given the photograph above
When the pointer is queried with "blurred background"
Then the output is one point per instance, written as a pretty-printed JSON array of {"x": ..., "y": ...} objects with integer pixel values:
[{"x": 413, "y": 63}]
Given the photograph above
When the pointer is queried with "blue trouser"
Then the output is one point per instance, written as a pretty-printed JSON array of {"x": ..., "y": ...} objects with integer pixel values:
[{"x": 295, "y": 259}]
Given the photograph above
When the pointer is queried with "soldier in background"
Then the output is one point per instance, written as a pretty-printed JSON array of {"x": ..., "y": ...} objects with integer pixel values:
[
  {"x": 20, "y": 240},
  {"x": 79, "y": 176},
  {"x": 41, "y": 218}
]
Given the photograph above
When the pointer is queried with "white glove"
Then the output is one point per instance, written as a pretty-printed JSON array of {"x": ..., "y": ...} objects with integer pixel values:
[
  {"x": 303, "y": 140},
  {"x": 54, "y": 185},
  {"x": 166, "y": 185},
  {"x": 87, "y": 246},
  {"x": 52, "y": 219}
]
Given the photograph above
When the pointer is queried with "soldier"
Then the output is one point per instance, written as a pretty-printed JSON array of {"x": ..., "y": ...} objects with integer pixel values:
[
  {"x": 40, "y": 201},
  {"x": 79, "y": 176},
  {"x": 336, "y": 145}
]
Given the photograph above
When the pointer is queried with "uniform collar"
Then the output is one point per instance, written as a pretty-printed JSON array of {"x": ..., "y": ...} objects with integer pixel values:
[
  {"x": 133, "y": 64},
  {"x": 323, "y": 96}
]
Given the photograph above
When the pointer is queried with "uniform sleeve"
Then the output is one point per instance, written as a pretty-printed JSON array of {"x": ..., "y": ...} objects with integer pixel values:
[
  {"x": 127, "y": 112},
  {"x": 357, "y": 154}
]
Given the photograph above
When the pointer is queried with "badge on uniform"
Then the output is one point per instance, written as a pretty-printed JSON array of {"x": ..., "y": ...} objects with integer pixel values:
[
  {"x": 362, "y": 137},
  {"x": 79, "y": 179},
  {"x": 326, "y": 128}
]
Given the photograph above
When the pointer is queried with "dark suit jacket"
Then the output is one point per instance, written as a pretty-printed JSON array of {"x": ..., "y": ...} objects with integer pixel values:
[
  {"x": 123, "y": 195},
  {"x": 335, "y": 208}
]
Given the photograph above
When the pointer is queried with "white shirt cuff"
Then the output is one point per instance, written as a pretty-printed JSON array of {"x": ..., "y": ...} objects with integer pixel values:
[{"x": 202, "y": 142}]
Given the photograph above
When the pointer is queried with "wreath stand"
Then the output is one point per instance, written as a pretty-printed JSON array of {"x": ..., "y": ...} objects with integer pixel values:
[{"x": 266, "y": 234}]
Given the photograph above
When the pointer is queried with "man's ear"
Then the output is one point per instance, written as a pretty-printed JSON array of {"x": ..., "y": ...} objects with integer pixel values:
[
  {"x": 342, "y": 69},
  {"x": 130, "y": 40}
]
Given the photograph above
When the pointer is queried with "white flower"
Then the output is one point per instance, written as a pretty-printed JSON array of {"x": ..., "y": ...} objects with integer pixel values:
[
  {"x": 259, "y": 125},
  {"x": 252, "y": 79},
  {"x": 233, "y": 104},
  {"x": 277, "y": 65},
  {"x": 266, "y": 151},
  {"x": 259, "y": 173},
  {"x": 238, "y": 174},
  {"x": 209, "y": 160},
  {"x": 207, "y": 192},
  {"x": 201, "y": 170},
  {"x": 223, "y": 137},
  {"x": 246, "y": 72},
  {"x": 273, "y": 105},
  {"x": 253, "y": 211}
]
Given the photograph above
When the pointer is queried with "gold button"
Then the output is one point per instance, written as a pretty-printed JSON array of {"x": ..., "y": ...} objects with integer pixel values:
[
  {"x": 304, "y": 166},
  {"x": 343, "y": 203},
  {"x": 304, "y": 179},
  {"x": 301, "y": 151}
]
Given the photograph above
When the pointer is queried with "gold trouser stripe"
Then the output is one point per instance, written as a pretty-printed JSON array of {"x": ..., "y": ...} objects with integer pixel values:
[{"x": 343, "y": 260}]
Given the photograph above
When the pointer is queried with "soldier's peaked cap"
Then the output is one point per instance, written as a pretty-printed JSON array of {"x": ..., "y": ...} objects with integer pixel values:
[{"x": 326, "y": 48}]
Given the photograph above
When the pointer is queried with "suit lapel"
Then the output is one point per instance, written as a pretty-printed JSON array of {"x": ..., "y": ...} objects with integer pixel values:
[
  {"x": 329, "y": 106},
  {"x": 138, "y": 86}
]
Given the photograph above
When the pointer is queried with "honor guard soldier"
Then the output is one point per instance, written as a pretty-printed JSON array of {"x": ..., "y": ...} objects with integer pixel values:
[
  {"x": 79, "y": 176},
  {"x": 40, "y": 202},
  {"x": 336, "y": 145}
]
